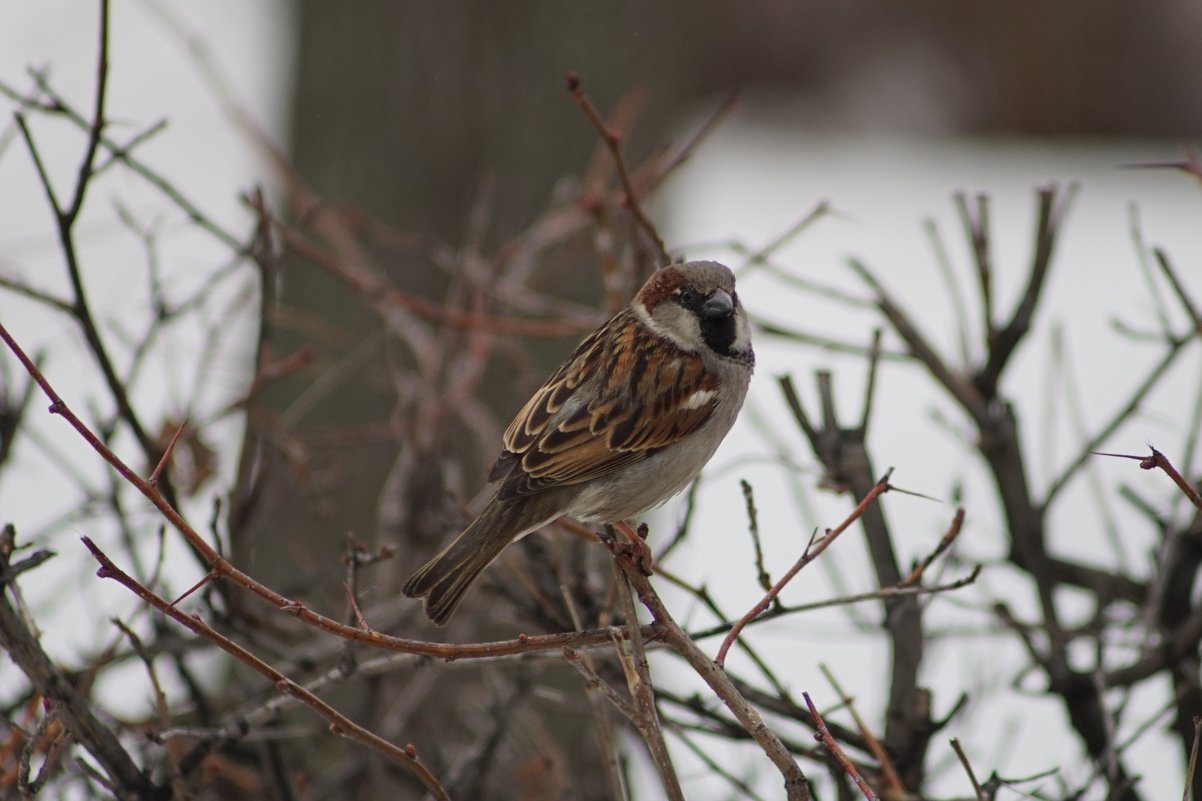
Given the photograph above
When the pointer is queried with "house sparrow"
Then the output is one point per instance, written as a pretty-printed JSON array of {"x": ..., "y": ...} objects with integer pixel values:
[{"x": 623, "y": 425}]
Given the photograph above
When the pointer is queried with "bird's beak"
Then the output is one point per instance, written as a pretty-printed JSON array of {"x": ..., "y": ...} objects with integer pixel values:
[{"x": 718, "y": 305}]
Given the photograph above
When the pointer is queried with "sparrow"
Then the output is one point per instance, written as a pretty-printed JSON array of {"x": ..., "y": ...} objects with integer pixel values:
[{"x": 626, "y": 422}]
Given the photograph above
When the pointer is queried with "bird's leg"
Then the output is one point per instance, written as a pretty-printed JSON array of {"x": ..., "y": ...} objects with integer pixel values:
[{"x": 635, "y": 545}]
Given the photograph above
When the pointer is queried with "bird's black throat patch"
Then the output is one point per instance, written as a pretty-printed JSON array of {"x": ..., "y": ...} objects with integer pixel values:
[{"x": 719, "y": 334}]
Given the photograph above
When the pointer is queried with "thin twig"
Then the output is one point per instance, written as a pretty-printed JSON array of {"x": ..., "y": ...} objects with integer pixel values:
[
  {"x": 1003, "y": 343},
  {"x": 811, "y": 553},
  {"x": 960, "y": 388},
  {"x": 761, "y": 255},
  {"x": 893, "y": 782},
  {"x": 613, "y": 141},
  {"x": 1150, "y": 382},
  {"x": 71, "y": 706},
  {"x": 884, "y": 593},
  {"x": 955, "y": 296},
  {"x": 1193, "y": 761},
  {"x": 158, "y": 468},
  {"x": 638, "y": 678},
  {"x": 753, "y": 527},
  {"x": 340, "y": 725},
  {"x": 594, "y": 683},
  {"x": 945, "y": 542},
  {"x": 745, "y": 790},
  {"x": 823, "y": 735},
  {"x": 178, "y": 787},
  {"x": 96, "y": 128},
  {"x": 977, "y": 227},
  {"x": 50, "y": 736},
  {"x": 65, "y": 219},
  {"x": 38, "y": 295},
  {"x": 1187, "y": 303},
  {"x": 972, "y": 777},
  {"x": 191, "y": 210},
  {"x": 874, "y": 363},
  {"x": 1158, "y": 459},
  {"x": 796, "y": 785}
]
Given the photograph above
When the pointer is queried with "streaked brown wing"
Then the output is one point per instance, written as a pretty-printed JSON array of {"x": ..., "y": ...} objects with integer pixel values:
[{"x": 645, "y": 395}]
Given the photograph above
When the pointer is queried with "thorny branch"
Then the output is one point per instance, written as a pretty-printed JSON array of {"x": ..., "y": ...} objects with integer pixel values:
[
  {"x": 982, "y": 398},
  {"x": 63, "y": 697},
  {"x": 812, "y": 551},
  {"x": 1159, "y": 460},
  {"x": 340, "y": 725}
]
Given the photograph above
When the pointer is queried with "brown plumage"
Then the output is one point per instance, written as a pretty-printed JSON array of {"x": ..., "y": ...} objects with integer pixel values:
[{"x": 627, "y": 421}]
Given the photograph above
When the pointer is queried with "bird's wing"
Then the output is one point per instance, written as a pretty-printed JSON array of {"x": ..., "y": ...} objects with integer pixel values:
[{"x": 622, "y": 395}]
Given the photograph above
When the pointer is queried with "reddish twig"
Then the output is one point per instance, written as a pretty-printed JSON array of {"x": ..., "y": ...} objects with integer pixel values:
[
  {"x": 613, "y": 141},
  {"x": 953, "y": 531},
  {"x": 221, "y": 567},
  {"x": 212, "y": 574},
  {"x": 360, "y": 621},
  {"x": 268, "y": 372},
  {"x": 377, "y": 289},
  {"x": 158, "y": 468},
  {"x": 1158, "y": 459},
  {"x": 811, "y": 553},
  {"x": 339, "y": 723},
  {"x": 893, "y": 782},
  {"x": 1189, "y": 164},
  {"x": 823, "y": 735}
]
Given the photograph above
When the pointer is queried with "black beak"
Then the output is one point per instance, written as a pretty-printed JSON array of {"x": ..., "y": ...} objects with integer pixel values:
[{"x": 718, "y": 305}]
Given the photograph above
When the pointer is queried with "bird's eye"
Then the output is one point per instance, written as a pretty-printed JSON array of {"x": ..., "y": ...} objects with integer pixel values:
[{"x": 687, "y": 296}]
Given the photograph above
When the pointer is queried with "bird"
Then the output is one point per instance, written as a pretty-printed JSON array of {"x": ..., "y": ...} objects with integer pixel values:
[{"x": 625, "y": 423}]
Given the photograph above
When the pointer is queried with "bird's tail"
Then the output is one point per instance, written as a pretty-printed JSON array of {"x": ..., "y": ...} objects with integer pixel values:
[{"x": 444, "y": 579}]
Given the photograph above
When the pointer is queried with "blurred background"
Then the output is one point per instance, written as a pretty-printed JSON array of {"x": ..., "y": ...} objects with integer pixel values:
[{"x": 449, "y": 124}]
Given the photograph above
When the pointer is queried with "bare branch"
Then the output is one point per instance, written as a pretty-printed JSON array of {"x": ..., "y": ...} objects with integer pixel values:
[
  {"x": 811, "y": 553},
  {"x": 796, "y": 785},
  {"x": 340, "y": 725},
  {"x": 22, "y": 646},
  {"x": 613, "y": 141},
  {"x": 823, "y": 735}
]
